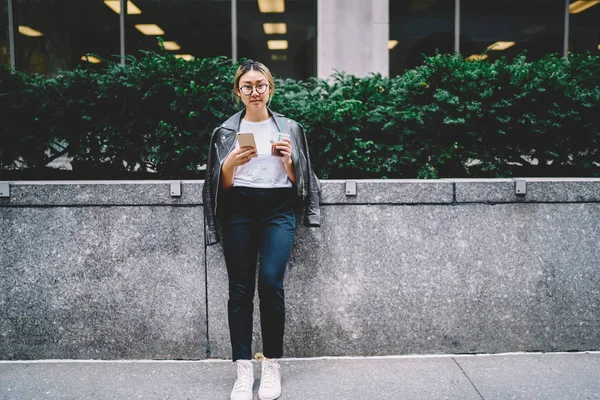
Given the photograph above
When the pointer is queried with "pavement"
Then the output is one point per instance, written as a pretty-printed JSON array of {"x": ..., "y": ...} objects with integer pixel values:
[{"x": 502, "y": 376}]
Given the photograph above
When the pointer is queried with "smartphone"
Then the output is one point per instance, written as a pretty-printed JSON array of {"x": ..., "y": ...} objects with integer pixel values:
[{"x": 246, "y": 139}]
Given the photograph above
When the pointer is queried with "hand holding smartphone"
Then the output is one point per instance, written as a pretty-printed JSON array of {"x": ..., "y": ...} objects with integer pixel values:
[{"x": 246, "y": 139}]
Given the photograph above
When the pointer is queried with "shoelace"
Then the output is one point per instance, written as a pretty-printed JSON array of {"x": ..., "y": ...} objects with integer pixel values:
[
  {"x": 268, "y": 374},
  {"x": 245, "y": 379}
]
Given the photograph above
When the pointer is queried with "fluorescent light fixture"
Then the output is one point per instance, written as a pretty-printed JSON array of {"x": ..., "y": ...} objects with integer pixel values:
[
  {"x": 581, "y": 5},
  {"x": 171, "y": 46},
  {"x": 392, "y": 44},
  {"x": 149, "y": 29},
  {"x": 275, "y": 28},
  {"x": 115, "y": 5},
  {"x": 500, "y": 45},
  {"x": 186, "y": 57},
  {"x": 91, "y": 59},
  {"x": 278, "y": 57},
  {"x": 599, "y": 47},
  {"x": 477, "y": 57},
  {"x": 277, "y": 44},
  {"x": 271, "y": 6},
  {"x": 27, "y": 31}
]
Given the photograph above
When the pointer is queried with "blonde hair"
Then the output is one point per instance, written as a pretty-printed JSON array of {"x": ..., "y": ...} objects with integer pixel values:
[{"x": 251, "y": 65}]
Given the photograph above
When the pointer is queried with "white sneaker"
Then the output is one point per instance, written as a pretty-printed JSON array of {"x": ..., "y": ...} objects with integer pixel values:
[
  {"x": 242, "y": 389},
  {"x": 270, "y": 382}
]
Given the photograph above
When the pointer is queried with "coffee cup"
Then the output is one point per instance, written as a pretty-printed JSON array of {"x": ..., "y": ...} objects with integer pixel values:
[{"x": 277, "y": 138}]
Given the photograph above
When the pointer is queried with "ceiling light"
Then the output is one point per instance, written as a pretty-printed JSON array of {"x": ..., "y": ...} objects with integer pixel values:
[
  {"x": 275, "y": 28},
  {"x": 581, "y": 5},
  {"x": 27, "y": 31},
  {"x": 115, "y": 5},
  {"x": 271, "y": 6},
  {"x": 277, "y": 44},
  {"x": 91, "y": 59},
  {"x": 501, "y": 45},
  {"x": 186, "y": 57},
  {"x": 477, "y": 57},
  {"x": 278, "y": 57},
  {"x": 150, "y": 29},
  {"x": 392, "y": 44},
  {"x": 171, "y": 45}
]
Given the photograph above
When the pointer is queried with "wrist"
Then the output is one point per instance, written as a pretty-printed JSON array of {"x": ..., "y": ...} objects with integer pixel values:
[{"x": 226, "y": 166}]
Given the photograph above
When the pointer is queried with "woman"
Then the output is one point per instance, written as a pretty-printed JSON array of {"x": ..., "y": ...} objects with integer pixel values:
[{"x": 252, "y": 194}]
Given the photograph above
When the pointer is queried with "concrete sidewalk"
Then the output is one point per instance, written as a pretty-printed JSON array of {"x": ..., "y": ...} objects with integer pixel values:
[{"x": 503, "y": 376}]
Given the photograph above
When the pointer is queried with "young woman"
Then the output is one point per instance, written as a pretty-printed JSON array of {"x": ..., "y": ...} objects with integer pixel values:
[{"x": 252, "y": 194}]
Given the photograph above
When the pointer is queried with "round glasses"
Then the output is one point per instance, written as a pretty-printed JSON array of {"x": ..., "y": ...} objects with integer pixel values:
[{"x": 260, "y": 89}]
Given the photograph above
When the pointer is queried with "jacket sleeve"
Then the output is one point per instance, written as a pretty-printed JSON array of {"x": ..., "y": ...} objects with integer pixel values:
[
  {"x": 211, "y": 232},
  {"x": 312, "y": 214}
]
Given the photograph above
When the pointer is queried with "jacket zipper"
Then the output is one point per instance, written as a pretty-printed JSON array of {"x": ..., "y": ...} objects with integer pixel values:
[{"x": 303, "y": 178}]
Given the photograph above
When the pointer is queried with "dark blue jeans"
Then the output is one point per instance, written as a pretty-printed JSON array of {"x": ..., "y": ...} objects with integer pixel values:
[{"x": 257, "y": 221}]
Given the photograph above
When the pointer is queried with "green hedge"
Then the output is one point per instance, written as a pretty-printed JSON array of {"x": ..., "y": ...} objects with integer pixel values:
[{"x": 152, "y": 118}]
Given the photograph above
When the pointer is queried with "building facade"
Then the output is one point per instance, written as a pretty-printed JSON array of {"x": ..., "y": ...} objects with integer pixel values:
[{"x": 298, "y": 39}]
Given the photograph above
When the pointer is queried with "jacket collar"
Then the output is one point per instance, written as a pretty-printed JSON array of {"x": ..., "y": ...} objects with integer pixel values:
[{"x": 233, "y": 123}]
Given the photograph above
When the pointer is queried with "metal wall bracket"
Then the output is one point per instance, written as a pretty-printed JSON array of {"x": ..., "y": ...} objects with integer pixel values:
[
  {"x": 175, "y": 189},
  {"x": 520, "y": 186},
  {"x": 4, "y": 189},
  {"x": 350, "y": 188}
]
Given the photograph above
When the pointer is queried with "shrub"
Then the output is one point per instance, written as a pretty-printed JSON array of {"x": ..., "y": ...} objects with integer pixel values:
[{"x": 449, "y": 117}]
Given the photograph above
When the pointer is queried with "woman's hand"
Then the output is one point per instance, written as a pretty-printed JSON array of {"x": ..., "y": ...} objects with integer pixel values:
[
  {"x": 285, "y": 146},
  {"x": 240, "y": 156}
]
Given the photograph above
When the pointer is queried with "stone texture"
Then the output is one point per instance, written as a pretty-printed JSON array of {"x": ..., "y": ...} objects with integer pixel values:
[
  {"x": 377, "y": 280},
  {"x": 63, "y": 193},
  {"x": 102, "y": 283},
  {"x": 391, "y": 379},
  {"x": 534, "y": 376},
  {"x": 340, "y": 379},
  {"x": 487, "y": 191},
  {"x": 401, "y": 270},
  {"x": 538, "y": 190},
  {"x": 518, "y": 376},
  {"x": 563, "y": 190},
  {"x": 117, "y": 380},
  {"x": 388, "y": 192}
]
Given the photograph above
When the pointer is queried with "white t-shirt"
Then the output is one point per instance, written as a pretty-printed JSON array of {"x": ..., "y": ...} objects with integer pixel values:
[{"x": 264, "y": 171}]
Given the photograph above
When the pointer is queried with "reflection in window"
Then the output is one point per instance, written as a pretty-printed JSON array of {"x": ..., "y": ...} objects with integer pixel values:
[
  {"x": 505, "y": 28},
  {"x": 584, "y": 26},
  {"x": 54, "y": 35},
  {"x": 417, "y": 28},
  {"x": 189, "y": 28},
  {"x": 281, "y": 34}
]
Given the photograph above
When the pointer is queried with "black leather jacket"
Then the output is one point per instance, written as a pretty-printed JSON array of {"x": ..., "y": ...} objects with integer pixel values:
[{"x": 223, "y": 142}]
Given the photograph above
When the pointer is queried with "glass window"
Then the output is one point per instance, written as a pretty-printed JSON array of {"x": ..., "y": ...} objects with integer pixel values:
[
  {"x": 584, "y": 26},
  {"x": 54, "y": 35},
  {"x": 4, "y": 44},
  {"x": 511, "y": 27},
  {"x": 284, "y": 41},
  {"x": 417, "y": 28},
  {"x": 196, "y": 28}
]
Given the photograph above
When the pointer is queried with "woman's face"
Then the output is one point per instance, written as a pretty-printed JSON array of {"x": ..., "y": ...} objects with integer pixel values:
[{"x": 255, "y": 80}]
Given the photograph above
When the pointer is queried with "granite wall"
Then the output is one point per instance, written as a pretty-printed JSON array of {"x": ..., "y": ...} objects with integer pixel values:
[{"x": 115, "y": 270}]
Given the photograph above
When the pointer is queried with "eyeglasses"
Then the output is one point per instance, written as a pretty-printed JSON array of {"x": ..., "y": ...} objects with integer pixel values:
[{"x": 260, "y": 89}]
